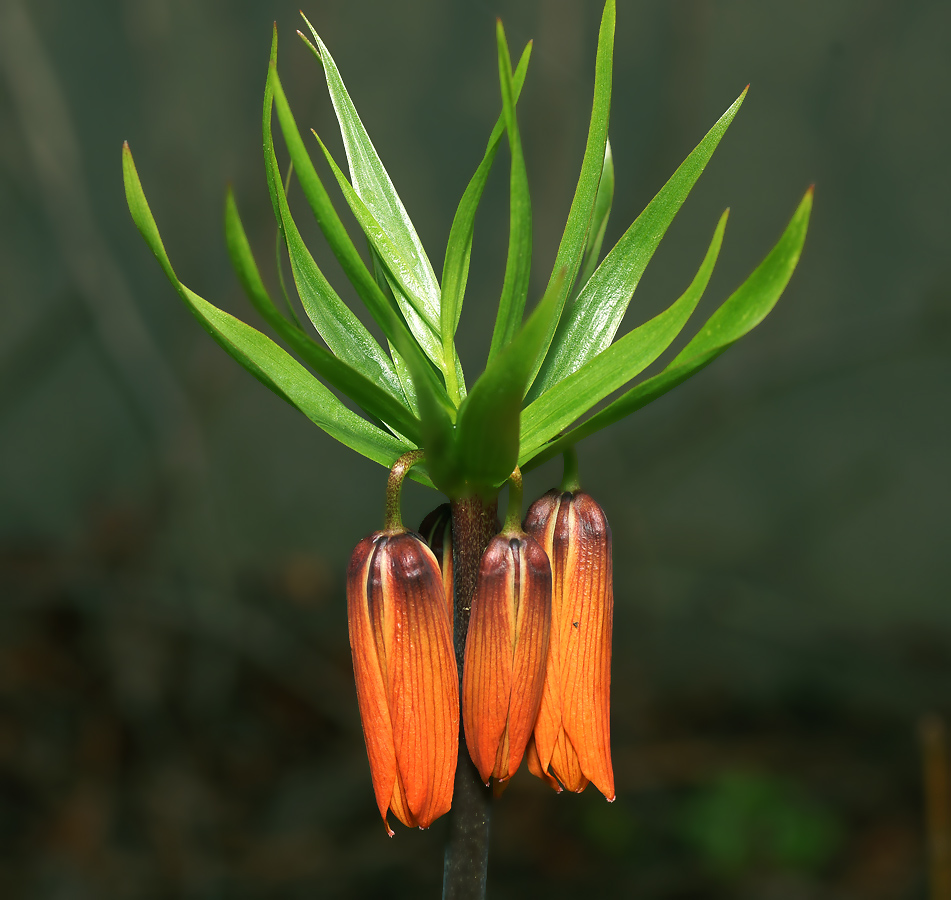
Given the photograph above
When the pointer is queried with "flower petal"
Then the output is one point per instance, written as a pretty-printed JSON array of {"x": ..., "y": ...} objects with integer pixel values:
[
  {"x": 367, "y": 673},
  {"x": 422, "y": 681},
  {"x": 487, "y": 671}
]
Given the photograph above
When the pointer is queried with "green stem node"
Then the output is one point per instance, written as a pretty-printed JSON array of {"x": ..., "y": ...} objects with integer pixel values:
[
  {"x": 392, "y": 520},
  {"x": 513, "y": 513},
  {"x": 570, "y": 480}
]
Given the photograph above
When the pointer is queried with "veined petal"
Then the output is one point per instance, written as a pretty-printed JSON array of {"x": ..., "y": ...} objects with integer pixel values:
[
  {"x": 368, "y": 675},
  {"x": 588, "y": 610},
  {"x": 539, "y": 522},
  {"x": 537, "y": 769},
  {"x": 530, "y": 653},
  {"x": 566, "y": 765},
  {"x": 506, "y": 649},
  {"x": 487, "y": 672},
  {"x": 421, "y": 678},
  {"x": 572, "y": 733}
]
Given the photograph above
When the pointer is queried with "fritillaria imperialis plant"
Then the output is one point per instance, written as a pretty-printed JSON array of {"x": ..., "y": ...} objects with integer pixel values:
[{"x": 532, "y": 665}]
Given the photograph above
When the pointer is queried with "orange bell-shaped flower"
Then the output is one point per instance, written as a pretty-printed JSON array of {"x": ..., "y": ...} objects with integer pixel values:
[
  {"x": 406, "y": 676},
  {"x": 506, "y": 649},
  {"x": 572, "y": 734}
]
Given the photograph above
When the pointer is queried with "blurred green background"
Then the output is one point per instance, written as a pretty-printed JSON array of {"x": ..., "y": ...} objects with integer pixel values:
[{"x": 177, "y": 716}]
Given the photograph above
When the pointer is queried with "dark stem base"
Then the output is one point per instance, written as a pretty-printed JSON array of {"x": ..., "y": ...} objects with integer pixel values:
[{"x": 467, "y": 852}]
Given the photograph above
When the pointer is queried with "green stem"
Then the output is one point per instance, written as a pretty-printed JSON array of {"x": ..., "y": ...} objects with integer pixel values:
[
  {"x": 392, "y": 518},
  {"x": 474, "y": 524},
  {"x": 570, "y": 481},
  {"x": 513, "y": 513}
]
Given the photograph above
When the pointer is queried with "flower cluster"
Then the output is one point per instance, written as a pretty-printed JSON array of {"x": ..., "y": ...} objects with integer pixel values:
[{"x": 537, "y": 671}]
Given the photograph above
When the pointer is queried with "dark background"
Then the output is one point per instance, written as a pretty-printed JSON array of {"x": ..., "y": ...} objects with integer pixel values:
[{"x": 177, "y": 717}]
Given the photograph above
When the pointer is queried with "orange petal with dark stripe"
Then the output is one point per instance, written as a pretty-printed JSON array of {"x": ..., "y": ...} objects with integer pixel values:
[
  {"x": 505, "y": 655},
  {"x": 572, "y": 733},
  {"x": 405, "y": 671}
]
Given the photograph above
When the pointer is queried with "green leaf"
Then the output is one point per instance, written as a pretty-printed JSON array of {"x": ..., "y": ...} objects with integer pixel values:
[
  {"x": 280, "y": 247},
  {"x": 599, "y": 220},
  {"x": 518, "y": 263},
  {"x": 373, "y": 186},
  {"x": 407, "y": 294},
  {"x": 742, "y": 311},
  {"x": 589, "y": 325},
  {"x": 374, "y": 400},
  {"x": 488, "y": 423},
  {"x": 342, "y": 331},
  {"x": 264, "y": 359},
  {"x": 426, "y": 381},
  {"x": 455, "y": 269},
  {"x": 380, "y": 307},
  {"x": 625, "y": 359},
  {"x": 575, "y": 237}
]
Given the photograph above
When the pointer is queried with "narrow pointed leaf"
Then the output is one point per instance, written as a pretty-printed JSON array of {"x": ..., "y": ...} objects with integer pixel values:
[
  {"x": 264, "y": 359},
  {"x": 599, "y": 221},
  {"x": 575, "y": 236},
  {"x": 341, "y": 330},
  {"x": 589, "y": 325},
  {"x": 518, "y": 263},
  {"x": 374, "y": 187},
  {"x": 455, "y": 270},
  {"x": 374, "y": 400},
  {"x": 742, "y": 311},
  {"x": 380, "y": 307},
  {"x": 488, "y": 424},
  {"x": 405, "y": 289},
  {"x": 430, "y": 392},
  {"x": 624, "y": 360},
  {"x": 402, "y": 370},
  {"x": 280, "y": 248}
]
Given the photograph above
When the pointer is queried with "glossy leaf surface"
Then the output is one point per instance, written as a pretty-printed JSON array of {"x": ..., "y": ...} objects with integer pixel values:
[
  {"x": 599, "y": 220},
  {"x": 518, "y": 263},
  {"x": 459, "y": 247},
  {"x": 257, "y": 353},
  {"x": 590, "y": 323},
  {"x": 341, "y": 330},
  {"x": 742, "y": 311},
  {"x": 374, "y": 187},
  {"x": 351, "y": 381},
  {"x": 401, "y": 278},
  {"x": 624, "y": 360},
  {"x": 575, "y": 237}
]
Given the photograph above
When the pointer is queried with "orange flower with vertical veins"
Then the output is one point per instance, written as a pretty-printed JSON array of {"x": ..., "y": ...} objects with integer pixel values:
[
  {"x": 572, "y": 734},
  {"x": 406, "y": 677},
  {"x": 506, "y": 647},
  {"x": 404, "y": 667}
]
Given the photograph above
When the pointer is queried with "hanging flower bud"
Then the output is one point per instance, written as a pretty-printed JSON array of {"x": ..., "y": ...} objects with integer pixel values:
[
  {"x": 404, "y": 667},
  {"x": 406, "y": 677},
  {"x": 572, "y": 733},
  {"x": 506, "y": 648},
  {"x": 436, "y": 530}
]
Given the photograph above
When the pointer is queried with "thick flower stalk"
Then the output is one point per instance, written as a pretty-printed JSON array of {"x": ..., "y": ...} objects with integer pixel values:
[
  {"x": 572, "y": 734},
  {"x": 405, "y": 670},
  {"x": 506, "y": 648}
]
